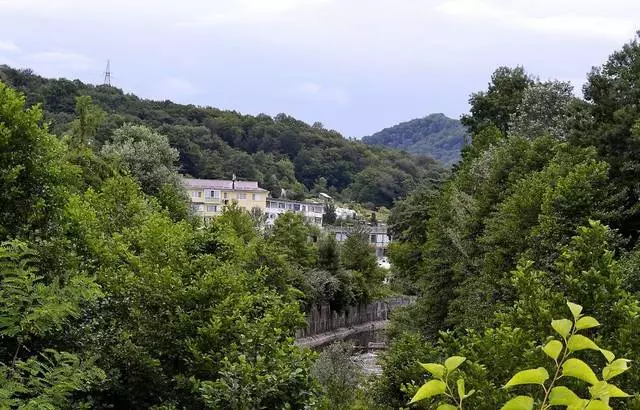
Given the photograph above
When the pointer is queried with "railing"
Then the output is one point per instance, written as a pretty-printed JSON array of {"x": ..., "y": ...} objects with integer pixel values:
[{"x": 322, "y": 319}]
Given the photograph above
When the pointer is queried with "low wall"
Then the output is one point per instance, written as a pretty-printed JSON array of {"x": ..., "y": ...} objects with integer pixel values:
[{"x": 321, "y": 319}]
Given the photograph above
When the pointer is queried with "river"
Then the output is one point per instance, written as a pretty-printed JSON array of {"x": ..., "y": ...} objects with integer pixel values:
[{"x": 365, "y": 357}]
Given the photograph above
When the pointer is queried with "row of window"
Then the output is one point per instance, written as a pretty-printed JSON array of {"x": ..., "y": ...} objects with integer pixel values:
[
  {"x": 210, "y": 208},
  {"x": 215, "y": 194},
  {"x": 373, "y": 238},
  {"x": 310, "y": 219},
  {"x": 294, "y": 207}
]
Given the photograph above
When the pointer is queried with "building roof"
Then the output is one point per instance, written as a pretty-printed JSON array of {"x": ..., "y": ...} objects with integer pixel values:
[
  {"x": 222, "y": 184},
  {"x": 291, "y": 201}
]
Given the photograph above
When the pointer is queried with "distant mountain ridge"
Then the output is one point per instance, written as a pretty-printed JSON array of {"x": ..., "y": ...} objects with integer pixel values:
[
  {"x": 278, "y": 152},
  {"x": 435, "y": 135}
]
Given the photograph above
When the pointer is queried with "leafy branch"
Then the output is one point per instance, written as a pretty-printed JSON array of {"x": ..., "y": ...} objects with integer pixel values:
[{"x": 561, "y": 351}]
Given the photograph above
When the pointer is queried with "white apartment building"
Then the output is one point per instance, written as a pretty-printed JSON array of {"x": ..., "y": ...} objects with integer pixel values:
[
  {"x": 312, "y": 211},
  {"x": 377, "y": 236}
]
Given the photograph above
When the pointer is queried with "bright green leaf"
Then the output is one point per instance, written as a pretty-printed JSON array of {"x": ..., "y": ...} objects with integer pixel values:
[
  {"x": 470, "y": 393},
  {"x": 461, "y": 391},
  {"x": 429, "y": 389},
  {"x": 437, "y": 370},
  {"x": 589, "y": 405},
  {"x": 446, "y": 407},
  {"x": 580, "y": 370},
  {"x": 553, "y": 349},
  {"x": 579, "y": 342},
  {"x": 519, "y": 403},
  {"x": 562, "y": 326},
  {"x": 575, "y": 309},
  {"x": 615, "y": 368},
  {"x": 597, "y": 405},
  {"x": 586, "y": 322},
  {"x": 608, "y": 355},
  {"x": 563, "y": 396},
  {"x": 531, "y": 376},
  {"x": 603, "y": 390},
  {"x": 453, "y": 362},
  {"x": 614, "y": 391}
]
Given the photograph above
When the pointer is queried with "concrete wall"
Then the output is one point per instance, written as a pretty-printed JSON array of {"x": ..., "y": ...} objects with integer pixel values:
[{"x": 322, "y": 319}]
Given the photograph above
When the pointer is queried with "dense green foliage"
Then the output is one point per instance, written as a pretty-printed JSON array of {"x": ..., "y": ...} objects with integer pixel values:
[
  {"x": 435, "y": 135},
  {"x": 553, "y": 390},
  {"x": 112, "y": 296},
  {"x": 279, "y": 152},
  {"x": 543, "y": 208}
]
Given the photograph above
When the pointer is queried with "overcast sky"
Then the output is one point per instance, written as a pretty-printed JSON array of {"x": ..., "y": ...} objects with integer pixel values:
[{"x": 357, "y": 66}]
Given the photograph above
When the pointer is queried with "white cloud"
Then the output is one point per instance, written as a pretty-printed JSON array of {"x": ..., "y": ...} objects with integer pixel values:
[
  {"x": 62, "y": 60},
  {"x": 9, "y": 46},
  {"x": 174, "y": 88},
  {"x": 247, "y": 11},
  {"x": 570, "y": 22},
  {"x": 316, "y": 92}
]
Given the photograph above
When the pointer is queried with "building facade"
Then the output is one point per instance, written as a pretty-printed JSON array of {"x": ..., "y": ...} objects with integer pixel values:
[
  {"x": 377, "y": 236},
  {"x": 209, "y": 196},
  {"x": 312, "y": 211}
]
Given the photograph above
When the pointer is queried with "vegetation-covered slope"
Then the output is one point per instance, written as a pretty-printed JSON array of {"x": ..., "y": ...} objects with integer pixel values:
[
  {"x": 541, "y": 210},
  {"x": 435, "y": 135},
  {"x": 113, "y": 297},
  {"x": 278, "y": 152}
]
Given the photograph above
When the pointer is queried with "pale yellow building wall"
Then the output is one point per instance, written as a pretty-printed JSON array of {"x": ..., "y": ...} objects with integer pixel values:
[{"x": 245, "y": 199}]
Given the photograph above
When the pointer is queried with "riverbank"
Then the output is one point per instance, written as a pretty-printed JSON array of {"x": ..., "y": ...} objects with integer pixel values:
[{"x": 339, "y": 334}]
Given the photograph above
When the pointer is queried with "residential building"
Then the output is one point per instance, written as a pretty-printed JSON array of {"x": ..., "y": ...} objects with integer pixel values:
[
  {"x": 377, "y": 236},
  {"x": 209, "y": 196},
  {"x": 312, "y": 211}
]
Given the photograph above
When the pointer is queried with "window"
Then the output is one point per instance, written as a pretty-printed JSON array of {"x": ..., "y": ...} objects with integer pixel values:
[
  {"x": 255, "y": 197},
  {"x": 225, "y": 195},
  {"x": 289, "y": 206},
  {"x": 198, "y": 207},
  {"x": 212, "y": 208},
  {"x": 304, "y": 208},
  {"x": 296, "y": 207},
  {"x": 196, "y": 194},
  {"x": 269, "y": 204},
  {"x": 213, "y": 194},
  {"x": 281, "y": 205},
  {"x": 373, "y": 239},
  {"x": 242, "y": 195}
]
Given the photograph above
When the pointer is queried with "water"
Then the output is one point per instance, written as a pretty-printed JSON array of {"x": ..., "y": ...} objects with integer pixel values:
[{"x": 366, "y": 358}]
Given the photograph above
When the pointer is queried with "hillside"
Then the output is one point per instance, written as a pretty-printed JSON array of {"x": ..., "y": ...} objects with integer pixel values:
[
  {"x": 278, "y": 152},
  {"x": 435, "y": 135}
]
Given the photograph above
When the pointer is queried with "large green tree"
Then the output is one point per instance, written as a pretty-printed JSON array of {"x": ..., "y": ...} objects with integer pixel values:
[
  {"x": 31, "y": 167},
  {"x": 145, "y": 154},
  {"x": 496, "y": 105}
]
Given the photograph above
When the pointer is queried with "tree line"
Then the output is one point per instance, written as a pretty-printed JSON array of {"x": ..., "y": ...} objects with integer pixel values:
[
  {"x": 113, "y": 296},
  {"x": 542, "y": 209},
  {"x": 279, "y": 152}
]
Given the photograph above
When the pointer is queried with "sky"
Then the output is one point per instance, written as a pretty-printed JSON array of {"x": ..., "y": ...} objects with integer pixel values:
[{"x": 357, "y": 66}]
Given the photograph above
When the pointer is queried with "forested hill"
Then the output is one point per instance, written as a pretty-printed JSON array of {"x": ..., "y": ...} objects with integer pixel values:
[
  {"x": 435, "y": 135},
  {"x": 278, "y": 152}
]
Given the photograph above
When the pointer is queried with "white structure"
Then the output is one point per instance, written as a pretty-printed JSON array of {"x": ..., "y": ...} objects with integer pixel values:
[
  {"x": 345, "y": 213},
  {"x": 312, "y": 211},
  {"x": 377, "y": 236}
]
